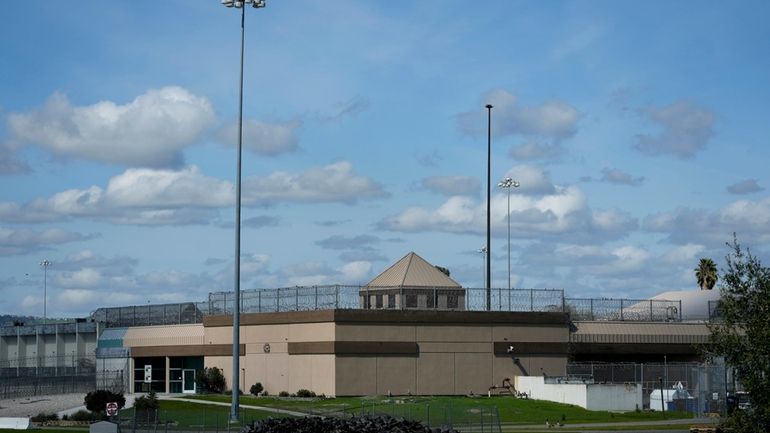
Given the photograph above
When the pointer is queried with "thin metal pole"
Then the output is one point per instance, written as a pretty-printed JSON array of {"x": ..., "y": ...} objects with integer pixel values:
[
  {"x": 489, "y": 207},
  {"x": 509, "y": 238},
  {"x": 237, "y": 277}
]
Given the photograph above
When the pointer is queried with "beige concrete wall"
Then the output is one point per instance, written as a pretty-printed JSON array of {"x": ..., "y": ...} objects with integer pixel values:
[
  {"x": 356, "y": 375},
  {"x": 276, "y": 369},
  {"x": 433, "y": 369},
  {"x": 313, "y": 372},
  {"x": 396, "y": 374},
  {"x": 167, "y": 335},
  {"x": 544, "y": 334},
  {"x": 453, "y": 359}
]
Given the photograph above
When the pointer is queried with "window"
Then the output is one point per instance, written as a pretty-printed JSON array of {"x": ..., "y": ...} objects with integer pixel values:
[
  {"x": 378, "y": 301},
  {"x": 411, "y": 301},
  {"x": 392, "y": 300},
  {"x": 451, "y": 301},
  {"x": 431, "y": 300}
]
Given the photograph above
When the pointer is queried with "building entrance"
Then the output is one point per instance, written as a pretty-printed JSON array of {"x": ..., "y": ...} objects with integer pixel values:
[{"x": 188, "y": 381}]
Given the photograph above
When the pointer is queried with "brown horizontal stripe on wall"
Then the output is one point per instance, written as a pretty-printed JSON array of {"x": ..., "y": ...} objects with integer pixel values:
[
  {"x": 191, "y": 350},
  {"x": 424, "y": 317},
  {"x": 530, "y": 348},
  {"x": 634, "y": 348},
  {"x": 281, "y": 318},
  {"x": 354, "y": 348},
  {"x": 432, "y": 317}
]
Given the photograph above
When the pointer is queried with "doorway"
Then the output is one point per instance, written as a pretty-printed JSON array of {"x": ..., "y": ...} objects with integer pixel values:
[{"x": 188, "y": 381}]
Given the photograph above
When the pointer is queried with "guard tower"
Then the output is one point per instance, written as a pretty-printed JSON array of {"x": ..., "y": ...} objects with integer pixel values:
[{"x": 412, "y": 283}]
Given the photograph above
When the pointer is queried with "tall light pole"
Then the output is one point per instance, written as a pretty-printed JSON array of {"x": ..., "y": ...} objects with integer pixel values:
[
  {"x": 240, "y": 4},
  {"x": 45, "y": 264},
  {"x": 489, "y": 193},
  {"x": 507, "y": 183}
]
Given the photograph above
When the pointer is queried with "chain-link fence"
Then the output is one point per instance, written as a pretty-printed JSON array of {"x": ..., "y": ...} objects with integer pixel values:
[
  {"x": 703, "y": 389},
  {"x": 48, "y": 366},
  {"x": 649, "y": 310},
  {"x": 368, "y": 297},
  {"x": 433, "y": 415},
  {"x": 147, "y": 315}
]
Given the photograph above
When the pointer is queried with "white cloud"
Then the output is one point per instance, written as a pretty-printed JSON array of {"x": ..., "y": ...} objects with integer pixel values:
[
  {"x": 168, "y": 188},
  {"x": 620, "y": 177},
  {"x": 9, "y": 164},
  {"x": 23, "y": 241},
  {"x": 553, "y": 119},
  {"x": 150, "y": 131},
  {"x": 452, "y": 185},
  {"x": 355, "y": 272},
  {"x": 749, "y": 219},
  {"x": 187, "y": 196},
  {"x": 83, "y": 278},
  {"x": 747, "y": 186},
  {"x": 336, "y": 182},
  {"x": 686, "y": 129},
  {"x": 263, "y": 138},
  {"x": 537, "y": 150},
  {"x": 72, "y": 299},
  {"x": 532, "y": 180},
  {"x": 564, "y": 213}
]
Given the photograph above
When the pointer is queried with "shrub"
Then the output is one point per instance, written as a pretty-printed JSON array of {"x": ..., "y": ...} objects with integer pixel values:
[
  {"x": 305, "y": 393},
  {"x": 256, "y": 388},
  {"x": 212, "y": 380},
  {"x": 96, "y": 401},
  {"x": 43, "y": 417},
  {"x": 82, "y": 415},
  {"x": 148, "y": 402},
  {"x": 283, "y": 394},
  {"x": 340, "y": 425}
]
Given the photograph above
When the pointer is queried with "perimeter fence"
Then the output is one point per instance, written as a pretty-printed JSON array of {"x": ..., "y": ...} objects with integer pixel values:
[
  {"x": 705, "y": 385},
  {"x": 309, "y": 298},
  {"x": 206, "y": 418},
  {"x": 48, "y": 366},
  {"x": 19, "y": 387}
]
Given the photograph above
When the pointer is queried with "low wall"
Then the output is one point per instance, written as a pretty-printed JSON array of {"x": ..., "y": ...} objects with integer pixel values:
[{"x": 614, "y": 397}]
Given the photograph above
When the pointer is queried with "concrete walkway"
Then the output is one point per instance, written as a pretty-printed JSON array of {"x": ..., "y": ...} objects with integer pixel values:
[
  {"x": 243, "y": 406},
  {"x": 684, "y": 421}
]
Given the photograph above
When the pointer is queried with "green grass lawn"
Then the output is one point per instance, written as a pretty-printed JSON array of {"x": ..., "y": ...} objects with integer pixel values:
[
  {"x": 38, "y": 430},
  {"x": 511, "y": 410},
  {"x": 193, "y": 415}
]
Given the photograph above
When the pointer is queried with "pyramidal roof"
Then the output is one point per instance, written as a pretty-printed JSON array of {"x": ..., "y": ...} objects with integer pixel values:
[{"x": 412, "y": 271}]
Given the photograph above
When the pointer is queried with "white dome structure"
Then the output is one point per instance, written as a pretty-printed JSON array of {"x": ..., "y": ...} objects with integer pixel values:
[{"x": 695, "y": 303}]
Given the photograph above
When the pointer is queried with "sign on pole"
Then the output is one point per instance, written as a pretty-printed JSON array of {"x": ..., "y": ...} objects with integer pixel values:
[
  {"x": 112, "y": 408},
  {"x": 148, "y": 373}
]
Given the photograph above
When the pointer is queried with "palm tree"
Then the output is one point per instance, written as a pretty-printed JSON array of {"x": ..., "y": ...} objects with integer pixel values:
[{"x": 706, "y": 273}]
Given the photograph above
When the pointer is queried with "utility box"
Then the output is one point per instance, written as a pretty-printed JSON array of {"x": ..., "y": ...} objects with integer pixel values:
[{"x": 103, "y": 427}]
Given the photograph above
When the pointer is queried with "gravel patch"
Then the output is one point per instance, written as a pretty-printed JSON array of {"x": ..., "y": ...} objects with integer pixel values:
[
  {"x": 31, "y": 406},
  {"x": 60, "y": 404}
]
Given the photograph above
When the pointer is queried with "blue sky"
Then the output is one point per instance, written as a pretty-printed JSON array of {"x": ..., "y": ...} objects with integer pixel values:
[{"x": 637, "y": 132}]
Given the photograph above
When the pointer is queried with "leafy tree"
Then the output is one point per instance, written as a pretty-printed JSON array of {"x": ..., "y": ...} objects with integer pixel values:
[
  {"x": 96, "y": 401},
  {"x": 256, "y": 388},
  {"x": 742, "y": 335},
  {"x": 706, "y": 274},
  {"x": 147, "y": 403},
  {"x": 212, "y": 380},
  {"x": 444, "y": 270}
]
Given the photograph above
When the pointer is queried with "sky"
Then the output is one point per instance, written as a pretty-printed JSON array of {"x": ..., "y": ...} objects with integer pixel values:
[{"x": 637, "y": 131}]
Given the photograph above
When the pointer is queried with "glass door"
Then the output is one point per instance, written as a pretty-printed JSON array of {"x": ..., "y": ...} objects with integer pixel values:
[{"x": 188, "y": 381}]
